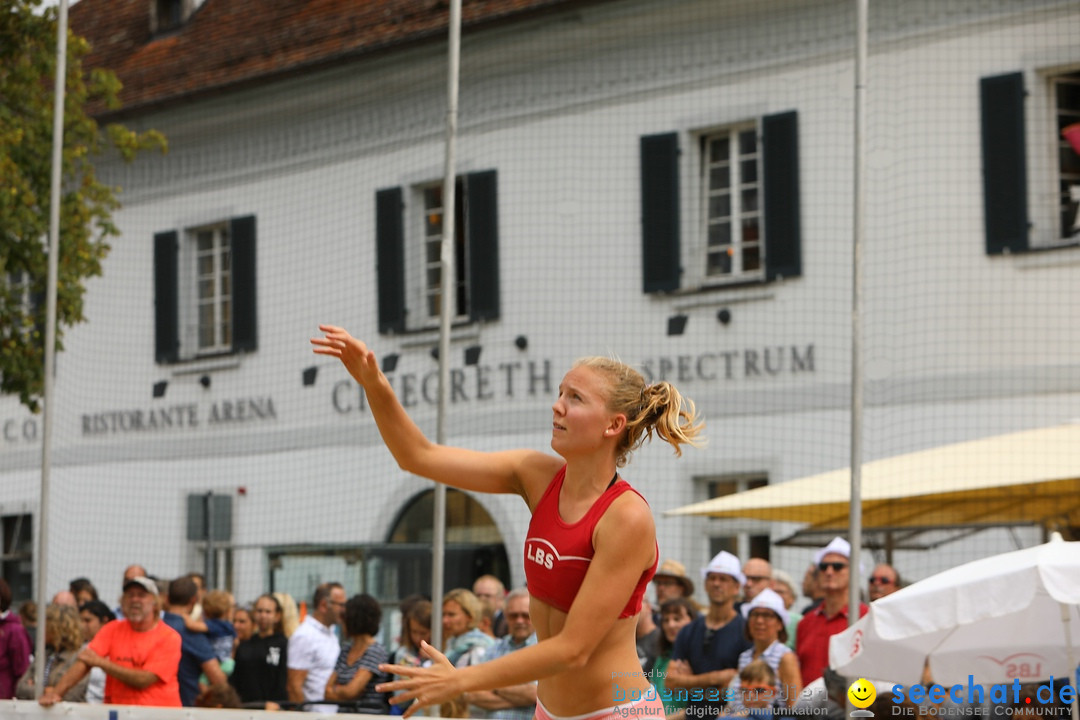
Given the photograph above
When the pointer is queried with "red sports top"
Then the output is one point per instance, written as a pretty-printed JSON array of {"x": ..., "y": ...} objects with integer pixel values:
[{"x": 558, "y": 554}]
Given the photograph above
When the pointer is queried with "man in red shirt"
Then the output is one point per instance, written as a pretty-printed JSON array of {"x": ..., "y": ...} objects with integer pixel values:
[
  {"x": 831, "y": 615},
  {"x": 139, "y": 654}
]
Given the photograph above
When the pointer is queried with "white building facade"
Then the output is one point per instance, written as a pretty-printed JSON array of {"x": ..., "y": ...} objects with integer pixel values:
[{"x": 667, "y": 182}]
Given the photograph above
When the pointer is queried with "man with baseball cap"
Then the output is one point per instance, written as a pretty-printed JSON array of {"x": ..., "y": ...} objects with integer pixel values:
[
  {"x": 139, "y": 654},
  {"x": 706, "y": 651},
  {"x": 831, "y": 615}
]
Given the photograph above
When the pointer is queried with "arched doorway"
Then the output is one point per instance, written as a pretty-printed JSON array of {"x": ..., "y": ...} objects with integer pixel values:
[
  {"x": 474, "y": 545},
  {"x": 401, "y": 565}
]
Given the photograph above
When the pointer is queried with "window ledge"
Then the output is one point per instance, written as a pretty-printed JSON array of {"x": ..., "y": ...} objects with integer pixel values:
[
  {"x": 708, "y": 296},
  {"x": 201, "y": 366},
  {"x": 1049, "y": 256},
  {"x": 424, "y": 338}
]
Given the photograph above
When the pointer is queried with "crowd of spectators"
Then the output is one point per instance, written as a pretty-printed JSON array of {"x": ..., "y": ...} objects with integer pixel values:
[
  {"x": 178, "y": 643},
  {"x": 748, "y": 650}
]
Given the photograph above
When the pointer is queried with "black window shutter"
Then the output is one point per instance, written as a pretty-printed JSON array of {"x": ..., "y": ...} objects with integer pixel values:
[
  {"x": 780, "y": 197},
  {"x": 245, "y": 299},
  {"x": 166, "y": 305},
  {"x": 390, "y": 259},
  {"x": 482, "y": 225},
  {"x": 1004, "y": 159},
  {"x": 660, "y": 256}
]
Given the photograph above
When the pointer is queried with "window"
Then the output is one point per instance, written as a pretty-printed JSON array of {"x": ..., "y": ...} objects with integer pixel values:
[
  {"x": 204, "y": 291},
  {"x": 434, "y": 212},
  {"x": 742, "y": 538},
  {"x": 467, "y": 521},
  {"x": 1009, "y": 224},
  {"x": 16, "y": 554},
  {"x": 408, "y": 229},
  {"x": 745, "y": 209},
  {"x": 169, "y": 15},
  {"x": 1067, "y": 110},
  {"x": 213, "y": 294},
  {"x": 732, "y": 221}
]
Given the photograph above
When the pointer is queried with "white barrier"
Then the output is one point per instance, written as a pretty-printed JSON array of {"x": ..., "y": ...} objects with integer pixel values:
[{"x": 30, "y": 710}]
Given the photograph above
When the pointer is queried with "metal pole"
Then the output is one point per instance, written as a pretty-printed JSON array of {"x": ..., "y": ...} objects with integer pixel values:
[
  {"x": 1070, "y": 656},
  {"x": 42, "y": 525},
  {"x": 211, "y": 558},
  {"x": 855, "y": 513},
  {"x": 448, "y": 301}
]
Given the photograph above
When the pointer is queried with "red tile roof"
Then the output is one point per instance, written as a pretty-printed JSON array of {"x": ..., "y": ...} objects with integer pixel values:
[{"x": 227, "y": 42}]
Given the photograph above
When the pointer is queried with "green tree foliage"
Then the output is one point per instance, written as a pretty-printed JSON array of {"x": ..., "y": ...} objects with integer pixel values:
[{"x": 27, "y": 72}]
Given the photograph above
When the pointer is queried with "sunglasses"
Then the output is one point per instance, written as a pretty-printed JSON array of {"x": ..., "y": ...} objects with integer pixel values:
[
  {"x": 757, "y": 578},
  {"x": 880, "y": 580},
  {"x": 834, "y": 566}
]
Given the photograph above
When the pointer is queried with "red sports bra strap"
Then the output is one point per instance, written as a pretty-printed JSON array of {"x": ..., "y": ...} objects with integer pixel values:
[
  {"x": 553, "y": 487},
  {"x": 604, "y": 501}
]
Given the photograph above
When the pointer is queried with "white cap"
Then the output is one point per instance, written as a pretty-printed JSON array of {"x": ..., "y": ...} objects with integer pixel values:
[
  {"x": 769, "y": 600},
  {"x": 726, "y": 564},
  {"x": 144, "y": 582},
  {"x": 837, "y": 545}
]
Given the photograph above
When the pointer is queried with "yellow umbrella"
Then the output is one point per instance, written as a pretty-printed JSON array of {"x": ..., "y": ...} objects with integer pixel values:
[{"x": 1025, "y": 477}]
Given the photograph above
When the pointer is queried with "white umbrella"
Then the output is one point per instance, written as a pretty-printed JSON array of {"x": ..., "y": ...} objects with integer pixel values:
[{"x": 1015, "y": 615}]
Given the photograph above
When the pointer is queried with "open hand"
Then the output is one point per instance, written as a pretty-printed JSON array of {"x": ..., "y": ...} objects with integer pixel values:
[
  {"x": 355, "y": 355},
  {"x": 427, "y": 685},
  {"x": 49, "y": 697}
]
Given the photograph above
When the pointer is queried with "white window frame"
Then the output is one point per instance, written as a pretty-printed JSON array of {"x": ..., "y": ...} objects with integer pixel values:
[
  {"x": 742, "y": 529},
  {"x": 423, "y": 264},
  {"x": 701, "y": 269},
  {"x": 190, "y": 289},
  {"x": 1062, "y": 117}
]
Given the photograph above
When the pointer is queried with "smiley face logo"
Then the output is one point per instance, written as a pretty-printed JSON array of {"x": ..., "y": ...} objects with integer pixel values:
[{"x": 862, "y": 693}]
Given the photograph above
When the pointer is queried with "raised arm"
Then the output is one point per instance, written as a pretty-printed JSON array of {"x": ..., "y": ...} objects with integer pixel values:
[{"x": 521, "y": 472}]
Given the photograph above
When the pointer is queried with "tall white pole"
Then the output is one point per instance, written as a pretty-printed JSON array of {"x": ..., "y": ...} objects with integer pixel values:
[
  {"x": 448, "y": 304},
  {"x": 855, "y": 514},
  {"x": 42, "y": 525}
]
